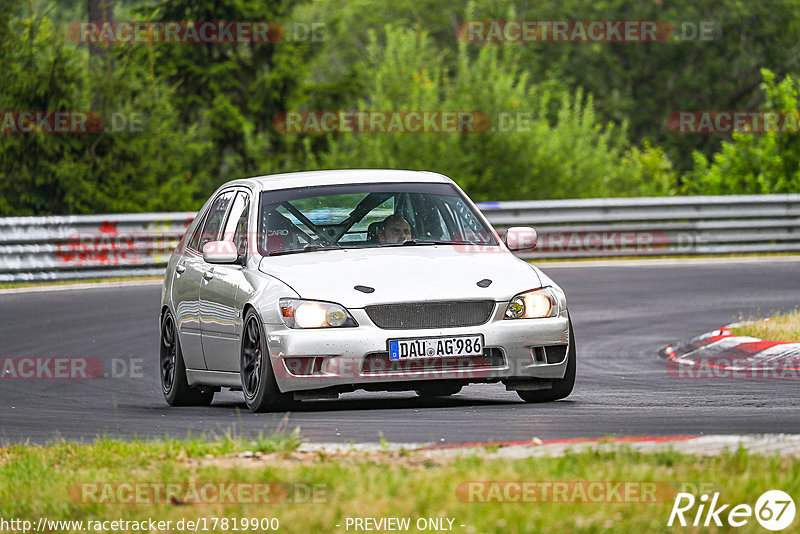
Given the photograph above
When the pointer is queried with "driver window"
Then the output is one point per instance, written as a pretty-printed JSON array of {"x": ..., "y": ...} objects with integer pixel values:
[
  {"x": 236, "y": 227},
  {"x": 367, "y": 229}
]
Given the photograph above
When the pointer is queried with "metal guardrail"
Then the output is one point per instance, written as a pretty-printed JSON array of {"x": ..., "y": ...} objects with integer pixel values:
[
  {"x": 655, "y": 226},
  {"x": 88, "y": 246},
  {"x": 95, "y": 246}
]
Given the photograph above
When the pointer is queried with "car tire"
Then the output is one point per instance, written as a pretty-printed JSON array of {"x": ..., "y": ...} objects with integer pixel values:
[
  {"x": 438, "y": 390},
  {"x": 174, "y": 384},
  {"x": 259, "y": 387},
  {"x": 561, "y": 387}
]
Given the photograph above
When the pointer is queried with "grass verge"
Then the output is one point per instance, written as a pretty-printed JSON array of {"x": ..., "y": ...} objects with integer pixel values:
[
  {"x": 323, "y": 490},
  {"x": 783, "y": 327}
]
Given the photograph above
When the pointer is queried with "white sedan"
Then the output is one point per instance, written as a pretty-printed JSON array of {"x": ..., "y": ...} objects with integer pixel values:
[{"x": 307, "y": 285}]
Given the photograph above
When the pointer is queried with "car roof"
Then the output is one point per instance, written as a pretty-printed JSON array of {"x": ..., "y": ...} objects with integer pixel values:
[{"x": 292, "y": 180}]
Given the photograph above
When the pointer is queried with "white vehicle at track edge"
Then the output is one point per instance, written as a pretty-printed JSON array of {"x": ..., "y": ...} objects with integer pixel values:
[{"x": 306, "y": 285}]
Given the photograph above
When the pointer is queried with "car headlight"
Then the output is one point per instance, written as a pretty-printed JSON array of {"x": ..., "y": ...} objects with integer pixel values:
[
  {"x": 533, "y": 304},
  {"x": 297, "y": 313}
]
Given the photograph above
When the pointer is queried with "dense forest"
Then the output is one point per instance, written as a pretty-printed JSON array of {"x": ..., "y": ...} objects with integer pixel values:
[{"x": 170, "y": 120}]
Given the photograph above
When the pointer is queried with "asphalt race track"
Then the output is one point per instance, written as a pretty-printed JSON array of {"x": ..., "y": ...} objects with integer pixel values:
[{"x": 622, "y": 316}]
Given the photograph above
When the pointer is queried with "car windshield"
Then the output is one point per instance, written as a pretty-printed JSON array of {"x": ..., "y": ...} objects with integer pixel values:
[{"x": 367, "y": 215}]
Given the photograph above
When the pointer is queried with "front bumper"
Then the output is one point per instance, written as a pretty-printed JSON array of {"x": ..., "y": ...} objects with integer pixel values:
[{"x": 358, "y": 357}]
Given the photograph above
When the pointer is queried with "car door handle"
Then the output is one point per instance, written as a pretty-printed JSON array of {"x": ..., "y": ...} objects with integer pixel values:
[
  {"x": 180, "y": 269},
  {"x": 209, "y": 274}
]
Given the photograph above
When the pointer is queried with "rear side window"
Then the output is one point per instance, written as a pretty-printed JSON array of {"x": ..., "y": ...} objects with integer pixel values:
[{"x": 195, "y": 240}]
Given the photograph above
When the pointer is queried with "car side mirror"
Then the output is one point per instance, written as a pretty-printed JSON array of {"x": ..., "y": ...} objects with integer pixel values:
[
  {"x": 521, "y": 238},
  {"x": 220, "y": 252}
]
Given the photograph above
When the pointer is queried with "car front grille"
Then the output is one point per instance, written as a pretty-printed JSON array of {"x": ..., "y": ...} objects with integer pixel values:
[{"x": 445, "y": 314}]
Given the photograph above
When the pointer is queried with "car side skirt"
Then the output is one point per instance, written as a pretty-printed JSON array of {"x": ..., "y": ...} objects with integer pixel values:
[{"x": 198, "y": 377}]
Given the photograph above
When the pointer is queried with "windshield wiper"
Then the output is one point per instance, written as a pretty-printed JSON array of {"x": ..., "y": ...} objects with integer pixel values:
[
  {"x": 411, "y": 242},
  {"x": 311, "y": 247},
  {"x": 407, "y": 242}
]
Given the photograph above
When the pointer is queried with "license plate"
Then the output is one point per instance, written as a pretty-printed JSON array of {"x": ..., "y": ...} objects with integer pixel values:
[{"x": 434, "y": 347}]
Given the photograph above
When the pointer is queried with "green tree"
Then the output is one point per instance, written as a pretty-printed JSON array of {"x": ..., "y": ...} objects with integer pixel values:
[
  {"x": 556, "y": 147},
  {"x": 233, "y": 89},
  {"x": 636, "y": 83},
  {"x": 141, "y": 169},
  {"x": 755, "y": 163}
]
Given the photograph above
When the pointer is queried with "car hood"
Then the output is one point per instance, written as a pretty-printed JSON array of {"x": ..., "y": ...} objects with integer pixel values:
[{"x": 402, "y": 274}]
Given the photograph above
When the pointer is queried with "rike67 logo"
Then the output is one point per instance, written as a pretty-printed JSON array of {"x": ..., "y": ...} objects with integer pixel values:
[{"x": 774, "y": 510}]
